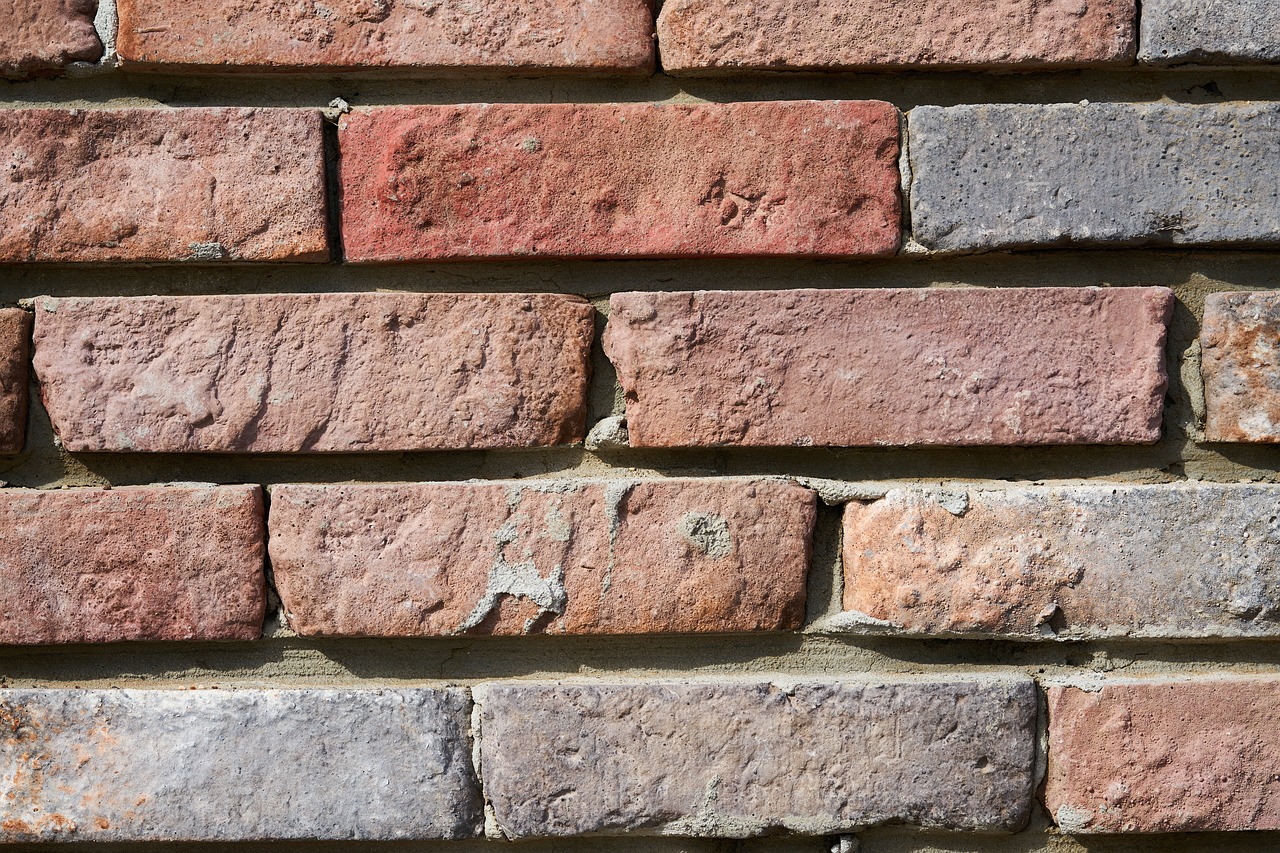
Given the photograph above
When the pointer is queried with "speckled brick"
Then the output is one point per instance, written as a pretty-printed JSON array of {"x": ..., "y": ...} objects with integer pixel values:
[
  {"x": 1005, "y": 176},
  {"x": 707, "y": 35},
  {"x": 137, "y": 563},
  {"x": 15, "y": 372},
  {"x": 562, "y": 557},
  {"x": 41, "y": 37},
  {"x": 620, "y": 180},
  {"x": 162, "y": 185},
  {"x": 314, "y": 372},
  {"x": 739, "y": 759},
  {"x": 1226, "y": 32},
  {"x": 949, "y": 367},
  {"x": 236, "y": 765},
  {"x": 1240, "y": 364}
]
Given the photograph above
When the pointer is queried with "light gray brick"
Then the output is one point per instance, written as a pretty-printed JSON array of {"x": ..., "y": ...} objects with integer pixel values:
[{"x": 1210, "y": 32}]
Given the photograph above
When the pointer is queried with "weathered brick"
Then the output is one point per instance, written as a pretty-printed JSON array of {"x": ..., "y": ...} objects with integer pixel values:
[
  {"x": 941, "y": 366},
  {"x": 144, "y": 563},
  {"x": 42, "y": 36},
  {"x": 162, "y": 185},
  {"x": 702, "y": 35},
  {"x": 1240, "y": 363},
  {"x": 314, "y": 372},
  {"x": 15, "y": 363},
  {"x": 1221, "y": 33},
  {"x": 574, "y": 557},
  {"x": 604, "y": 35},
  {"x": 1165, "y": 756},
  {"x": 236, "y": 765},
  {"x": 618, "y": 180},
  {"x": 1015, "y": 175},
  {"x": 741, "y": 759},
  {"x": 1068, "y": 562}
]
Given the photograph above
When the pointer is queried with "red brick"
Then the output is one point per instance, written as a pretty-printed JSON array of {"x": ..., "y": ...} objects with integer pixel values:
[
  {"x": 603, "y": 35},
  {"x": 147, "y": 563},
  {"x": 561, "y": 557},
  {"x": 1241, "y": 367},
  {"x": 323, "y": 372},
  {"x": 162, "y": 185},
  {"x": 43, "y": 36},
  {"x": 15, "y": 363},
  {"x": 704, "y": 35},
  {"x": 891, "y": 367},
  {"x": 620, "y": 180},
  {"x": 1165, "y": 756}
]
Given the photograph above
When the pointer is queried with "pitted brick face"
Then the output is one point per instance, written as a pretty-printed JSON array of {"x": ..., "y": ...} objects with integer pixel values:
[
  {"x": 41, "y": 37},
  {"x": 1240, "y": 364}
]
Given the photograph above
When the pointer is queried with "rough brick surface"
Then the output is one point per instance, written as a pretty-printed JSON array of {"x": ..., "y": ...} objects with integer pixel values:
[
  {"x": 234, "y": 765},
  {"x": 827, "y": 35},
  {"x": 15, "y": 370},
  {"x": 1010, "y": 175},
  {"x": 162, "y": 185},
  {"x": 41, "y": 36},
  {"x": 1240, "y": 363},
  {"x": 1172, "y": 756},
  {"x": 741, "y": 759},
  {"x": 1069, "y": 562},
  {"x": 605, "y": 35},
  {"x": 606, "y": 180},
  {"x": 893, "y": 367},
  {"x": 557, "y": 557},
  {"x": 1223, "y": 32},
  {"x": 144, "y": 563},
  {"x": 323, "y": 372}
]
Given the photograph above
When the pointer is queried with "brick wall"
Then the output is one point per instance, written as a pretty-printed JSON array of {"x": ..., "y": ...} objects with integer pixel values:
[{"x": 569, "y": 425}]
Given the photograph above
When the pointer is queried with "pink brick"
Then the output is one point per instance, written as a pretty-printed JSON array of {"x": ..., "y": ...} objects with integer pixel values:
[
  {"x": 15, "y": 363},
  {"x": 43, "y": 36},
  {"x": 620, "y": 180},
  {"x": 839, "y": 368},
  {"x": 538, "y": 556},
  {"x": 162, "y": 185},
  {"x": 146, "y": 563},
  {"x": 601, "y": 35}
]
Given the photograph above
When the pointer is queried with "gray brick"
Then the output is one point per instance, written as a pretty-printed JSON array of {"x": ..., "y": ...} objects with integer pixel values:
[{"x": 1211, "y": 32}]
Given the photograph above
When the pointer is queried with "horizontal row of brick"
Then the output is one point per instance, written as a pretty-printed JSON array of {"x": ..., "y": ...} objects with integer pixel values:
[
  {"x": 635, "y": 557},
  {"x": 701, "y": 759},
  {"x": 504, "y": 181},
  {"x": 618, "y": 36},
  {"x": 407, "y": 371}
]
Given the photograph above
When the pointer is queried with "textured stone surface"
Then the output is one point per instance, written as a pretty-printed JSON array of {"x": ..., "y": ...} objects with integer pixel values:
[
  {"x": 42, "y": 36},
  {"x": 1210, "y": 31},
  {"x": 1240, "y": 363},
  {"x": 609, "y": 180},
  {"x": 575, "y": 557},
  {"x": 235, "y": 765},
  {"x": 162, "y": 185},
  {"x": 323, "y": 372},
  {"x": 1069, "y": 562},
  {"x": 141, "y": 563},
  {"x": 15, "y": 372},
  {"x": 1165, "y": 756},
  {"x": 837, "y": 34},
  {"x": 740, "y": 759},
  {"x": 1011, "y": 175},
  {"x": 893, "y": 367},
  {"x": 602, "y": 35}
]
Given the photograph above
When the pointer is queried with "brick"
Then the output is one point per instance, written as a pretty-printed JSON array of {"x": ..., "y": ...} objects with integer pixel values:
[
  {"x": 603, "y": 36},
  {"x": 737, "y": 760},
  {"x": 1240, "y": 363},
  {"x": 1165, "y": 756},
  {"x": 41, "y": 37},
  {"x": 1014, "y": 175},
  {"x": 620, "y": 180},
  {"x": 236, "y": 765},
  {"x": 563, "y": 557},
  {"x": 15, "y": 363},
  {"x": 139, "y": 563},
  {"x": 949, "y": 367},
  {"x": 314, "y": 372},
  {"x": 1230, "y": 33},
  {"x": 707, "y": 35},
  {"x": 162, "y": 185},
  {"x": 1068, "y": 562}
]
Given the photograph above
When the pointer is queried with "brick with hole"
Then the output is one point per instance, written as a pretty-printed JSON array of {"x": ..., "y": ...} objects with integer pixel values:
[
  {"x": 42, "y": 37},
  {"x": 1239, "y": 32}
]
